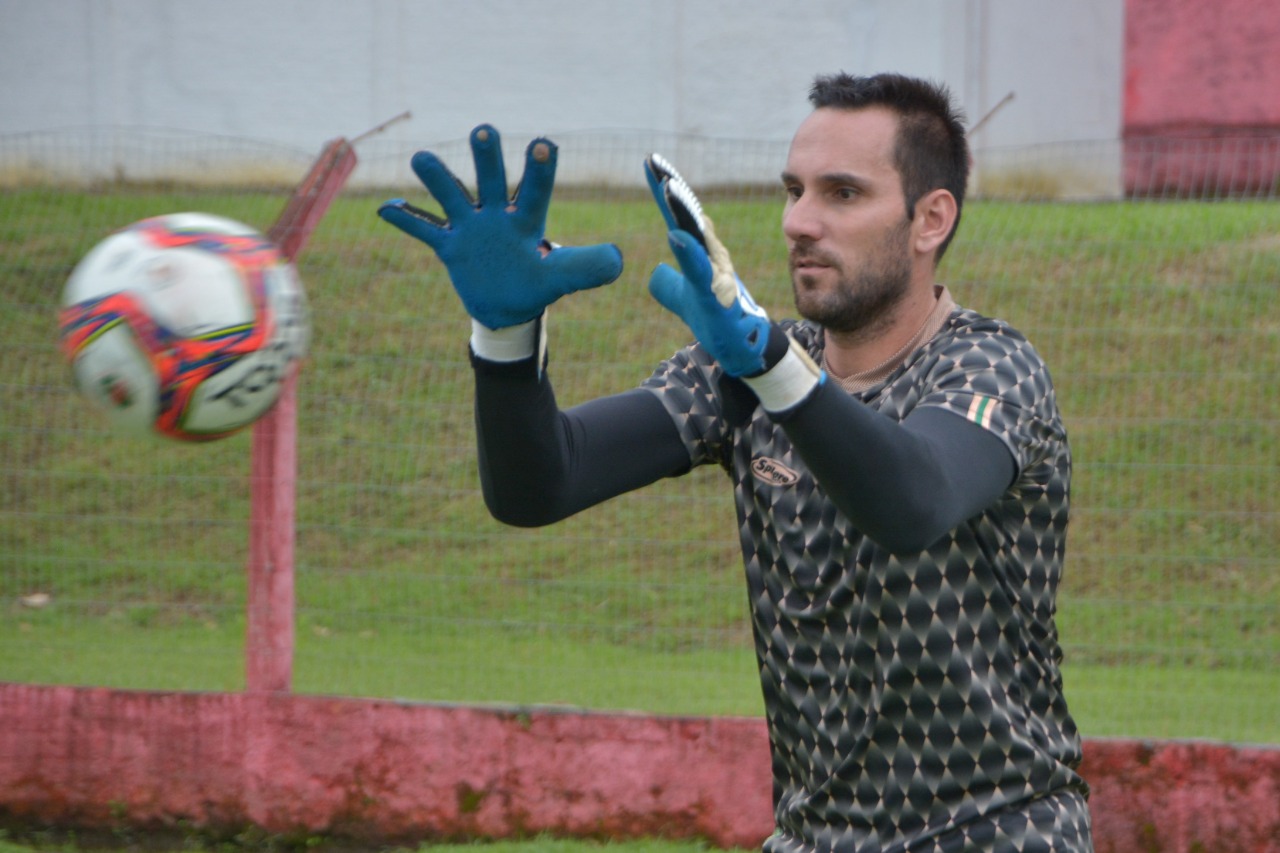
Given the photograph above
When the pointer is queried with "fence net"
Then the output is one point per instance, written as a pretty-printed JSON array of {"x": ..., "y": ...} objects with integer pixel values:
[{"x": 1145, "y": 278}]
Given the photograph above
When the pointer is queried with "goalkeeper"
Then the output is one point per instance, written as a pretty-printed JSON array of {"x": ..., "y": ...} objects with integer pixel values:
[{"x": 899, "y": 466}]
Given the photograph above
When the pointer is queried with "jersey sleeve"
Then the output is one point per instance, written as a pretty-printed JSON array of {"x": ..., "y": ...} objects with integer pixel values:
[
  {"x": 688, "y": 385},
  {"x": 992, "y": 376}
]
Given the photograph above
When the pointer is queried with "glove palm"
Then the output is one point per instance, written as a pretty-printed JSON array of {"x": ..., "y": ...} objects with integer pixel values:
[{"x": 494, "y": 246}]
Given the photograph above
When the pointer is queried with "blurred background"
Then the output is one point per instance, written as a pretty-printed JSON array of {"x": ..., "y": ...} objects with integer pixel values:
[
  {"x": 1124, "y": 216},
  {"x": 293, "y": 73}
]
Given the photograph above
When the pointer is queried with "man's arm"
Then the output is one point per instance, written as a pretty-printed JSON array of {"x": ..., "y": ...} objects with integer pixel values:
[
  {"x": 902, "y": 484},
  {"x": 539, "y": 464}
]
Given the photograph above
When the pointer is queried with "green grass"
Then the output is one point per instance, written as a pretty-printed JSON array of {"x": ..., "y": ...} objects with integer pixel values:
[
  {"x": 1156, "y": 319},
  {"x": 493, "y": 667}
]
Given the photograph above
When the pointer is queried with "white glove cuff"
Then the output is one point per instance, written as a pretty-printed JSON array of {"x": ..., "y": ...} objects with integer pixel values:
[
  {"x": 789, "y": 382},
  {"x": 514, "y": 343}
]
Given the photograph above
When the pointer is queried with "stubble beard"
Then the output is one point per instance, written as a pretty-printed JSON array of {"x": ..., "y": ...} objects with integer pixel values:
[{"x": 862, "y": 303}]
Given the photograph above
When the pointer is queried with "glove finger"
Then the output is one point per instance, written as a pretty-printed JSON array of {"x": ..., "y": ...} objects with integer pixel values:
[
  {"x": 491, "y": 173},
  {"x": 443, "y": 185},
  {"x": 659, "y": 193},
  {"x": 425, "y": 226},
  {"x": 533, "y": 196},
  {"x": 576, "y": 268},
  {"x": 670, "y": 288},
  {"x": 692, "y": 258}
]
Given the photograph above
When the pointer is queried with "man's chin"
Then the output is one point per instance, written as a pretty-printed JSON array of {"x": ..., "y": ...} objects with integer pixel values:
[
  {"x": 811, "y": 307},
  {"x": 842, "y": 316},
  {"x": 809, "y": 277}
]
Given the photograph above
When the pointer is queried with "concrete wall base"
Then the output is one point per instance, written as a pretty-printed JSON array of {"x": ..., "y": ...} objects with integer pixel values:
[{"x": 371, "y": 771}]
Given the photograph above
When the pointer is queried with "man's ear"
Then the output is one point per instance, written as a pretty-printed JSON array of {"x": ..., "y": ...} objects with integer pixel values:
[{"x": 935, "y": 217}]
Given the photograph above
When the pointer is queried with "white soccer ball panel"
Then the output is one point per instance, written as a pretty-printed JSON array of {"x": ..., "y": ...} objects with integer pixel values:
[
  {"x": 242, "y": 393},
  {"x": 117, "y": 377},
  {"x": 190, "y": 220},
  {"x": 108, "y": 268},
  {"x": 192, "y": 292},
  {"x": 289, "y": 303}
]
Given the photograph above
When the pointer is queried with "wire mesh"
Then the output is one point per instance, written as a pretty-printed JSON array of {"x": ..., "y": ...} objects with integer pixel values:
[{"x": 122, "y": 559}]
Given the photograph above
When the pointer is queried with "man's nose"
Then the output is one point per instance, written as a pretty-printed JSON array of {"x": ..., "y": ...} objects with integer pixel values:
[{"x": 800, "y": 220}]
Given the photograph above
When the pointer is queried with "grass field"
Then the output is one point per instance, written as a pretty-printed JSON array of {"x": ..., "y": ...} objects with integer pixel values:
[{"x": 1156, "y": 319}]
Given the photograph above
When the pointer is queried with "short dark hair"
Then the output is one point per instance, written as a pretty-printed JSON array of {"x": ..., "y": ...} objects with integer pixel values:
[{"x": 930, "y": 149}]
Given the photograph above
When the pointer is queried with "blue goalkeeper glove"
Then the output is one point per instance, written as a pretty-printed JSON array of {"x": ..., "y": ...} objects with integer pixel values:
[
  {"x": 495, "y": 249},
  {"x": 706, "y": 293}
]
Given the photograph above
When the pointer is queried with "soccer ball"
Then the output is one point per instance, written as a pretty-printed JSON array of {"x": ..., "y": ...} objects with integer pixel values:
[{"x": 184, "y": 325}]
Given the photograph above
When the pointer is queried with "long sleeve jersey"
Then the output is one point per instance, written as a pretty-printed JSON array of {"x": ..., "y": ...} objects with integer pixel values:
[{"x": 902, "y": 548}]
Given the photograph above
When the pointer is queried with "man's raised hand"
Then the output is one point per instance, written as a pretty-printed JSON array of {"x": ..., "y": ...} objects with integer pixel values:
[
  {"x": 494, "y": 246},
  {"x": 708, "y": 295},
  {"x": 705, "y": 292}
]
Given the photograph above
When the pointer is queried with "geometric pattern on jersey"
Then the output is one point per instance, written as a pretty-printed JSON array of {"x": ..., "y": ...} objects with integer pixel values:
[{"x": 912, "y": 699}]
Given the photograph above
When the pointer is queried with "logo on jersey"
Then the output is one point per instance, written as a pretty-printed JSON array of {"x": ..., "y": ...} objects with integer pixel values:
[
  {"x": 772, "y": 472},
  {"x": 980, "y": 410}
]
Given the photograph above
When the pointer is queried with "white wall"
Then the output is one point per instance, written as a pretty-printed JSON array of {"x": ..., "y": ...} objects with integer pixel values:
[{"x": 298, "y": 72}]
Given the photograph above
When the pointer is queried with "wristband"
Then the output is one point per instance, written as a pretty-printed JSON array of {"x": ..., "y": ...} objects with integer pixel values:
[
  {"x": 789, "y": 382},
  {"x": 511, "y": 343}
]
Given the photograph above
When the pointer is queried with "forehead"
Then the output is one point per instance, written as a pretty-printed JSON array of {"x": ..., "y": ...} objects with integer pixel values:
[{"x": 834, "y": 140}]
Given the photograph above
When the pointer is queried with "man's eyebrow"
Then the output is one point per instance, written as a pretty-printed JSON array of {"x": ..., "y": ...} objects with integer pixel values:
[{"x": 837, "y": 179}]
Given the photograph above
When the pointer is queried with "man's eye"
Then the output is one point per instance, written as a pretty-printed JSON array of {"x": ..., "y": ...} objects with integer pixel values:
[
  {"x": 792, "y": 191},
  {"x": 846, "y": 193}
]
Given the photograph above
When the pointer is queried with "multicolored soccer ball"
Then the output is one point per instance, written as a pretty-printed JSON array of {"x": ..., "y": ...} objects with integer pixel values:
[{"x": 186, "y": 325}]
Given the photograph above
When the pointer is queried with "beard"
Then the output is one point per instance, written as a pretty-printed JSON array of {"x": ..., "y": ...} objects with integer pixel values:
[{"x": 860, "y": 303}]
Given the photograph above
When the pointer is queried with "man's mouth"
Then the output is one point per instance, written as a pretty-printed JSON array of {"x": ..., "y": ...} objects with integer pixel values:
[{"x": 808, "y": 263}]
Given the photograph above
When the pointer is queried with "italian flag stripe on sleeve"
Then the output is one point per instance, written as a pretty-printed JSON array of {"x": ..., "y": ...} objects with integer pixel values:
[{"x": 980, "y": 411}]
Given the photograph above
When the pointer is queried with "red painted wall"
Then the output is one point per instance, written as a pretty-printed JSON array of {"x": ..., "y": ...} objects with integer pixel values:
[
  {"x": 1202, "y": 96},
  {"x": 1202, "y": 64},
  {"x": 394, "y": 772}
]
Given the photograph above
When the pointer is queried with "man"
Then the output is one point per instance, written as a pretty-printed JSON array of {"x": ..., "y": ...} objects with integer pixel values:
[{"x": 899, "y": 464}]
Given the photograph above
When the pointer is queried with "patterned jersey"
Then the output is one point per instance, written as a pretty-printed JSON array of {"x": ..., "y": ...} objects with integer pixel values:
[{"x": 914, "y": 701}]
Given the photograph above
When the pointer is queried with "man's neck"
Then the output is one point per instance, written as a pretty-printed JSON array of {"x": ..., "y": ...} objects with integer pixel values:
[{"x": 867, "y": 351}]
